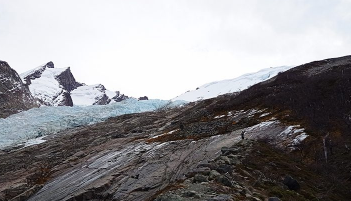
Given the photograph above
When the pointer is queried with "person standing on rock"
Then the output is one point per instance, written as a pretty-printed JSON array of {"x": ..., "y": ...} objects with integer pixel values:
[{"x": 243, "y": 134}]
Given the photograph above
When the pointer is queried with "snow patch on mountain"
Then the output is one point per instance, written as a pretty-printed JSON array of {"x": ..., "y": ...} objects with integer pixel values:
[
  {"x": 47, "y": 88},
  {"x": 243, "y": 82},
  {"x": 87, "y": 94}
]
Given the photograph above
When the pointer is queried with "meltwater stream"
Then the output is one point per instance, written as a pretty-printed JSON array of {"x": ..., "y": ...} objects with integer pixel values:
[{"x": 21, "y": 127}]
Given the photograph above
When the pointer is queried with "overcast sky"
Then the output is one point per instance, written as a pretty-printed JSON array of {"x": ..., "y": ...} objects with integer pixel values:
[{"x": 164, "y": 48}]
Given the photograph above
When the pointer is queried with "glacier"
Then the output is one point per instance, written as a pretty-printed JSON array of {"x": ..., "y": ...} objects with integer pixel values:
[
  {"x": 37, "y": 122},
  {"x": 238, "y": 84}
]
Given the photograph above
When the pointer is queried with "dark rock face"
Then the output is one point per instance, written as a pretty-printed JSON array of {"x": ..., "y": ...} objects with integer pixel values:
[
  {"x": 143, "y": 98},
  {"x": 66, "y": 99},
  {"x": 14, "y": 95},
  {"x": 104, "y": 100},
  {"x": 119, "y": 97},
  {"x": 67, "y": 80}
]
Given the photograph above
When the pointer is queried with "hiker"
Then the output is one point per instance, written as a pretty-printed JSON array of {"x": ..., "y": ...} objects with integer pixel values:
[
  {"x": 242, "y": 134},
  {"x": 181, "y": 126}
]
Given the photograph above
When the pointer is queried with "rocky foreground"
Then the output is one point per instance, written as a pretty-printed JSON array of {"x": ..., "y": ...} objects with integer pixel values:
[{"x": 163, "y": 155}]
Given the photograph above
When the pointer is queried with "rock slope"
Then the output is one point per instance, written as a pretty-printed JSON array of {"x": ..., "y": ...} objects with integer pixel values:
[{"x": 14, "y": 95}]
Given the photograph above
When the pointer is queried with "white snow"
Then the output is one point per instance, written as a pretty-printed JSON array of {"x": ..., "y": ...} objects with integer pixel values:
[
  {"x": 299, "y": 138},
  {"x": 37, "y": 122},
  {"x": 86, "y": 95},
  {"x": 40, "y": 68},
  {"x": 110, "y": 94},
  {"x": 261, "y": 125},
  {"x": 265, "y": 114},
  {"x": 46, "y": 88},
  {"x": 295, "y": 133},
  {"x": 215, "y": 89},
  {"x": 34, "y": 141},
  {"x": 219, "y": 116}
]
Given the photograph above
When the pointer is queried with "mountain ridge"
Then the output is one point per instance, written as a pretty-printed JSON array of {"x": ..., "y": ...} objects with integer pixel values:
[{"x": 58, "y": 87}]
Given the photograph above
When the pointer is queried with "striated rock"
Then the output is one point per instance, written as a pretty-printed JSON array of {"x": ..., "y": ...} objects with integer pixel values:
[
  {"x": 14, "y": 95},
  {"x": 273, "y": 199},
  {"x": 169, "y": 198},
  {"x": 222, "y": 197}
]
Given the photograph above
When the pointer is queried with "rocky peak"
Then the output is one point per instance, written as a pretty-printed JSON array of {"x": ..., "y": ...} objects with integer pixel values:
[
  {"x": 36, "y": 73},
  {"x": 143, "y": 98},
  {"x": 50, "y": 64},
  {"x": 119, "y": 97},
  {"x": 67, "y": 80},
  {"x": 14, "y": 95}
]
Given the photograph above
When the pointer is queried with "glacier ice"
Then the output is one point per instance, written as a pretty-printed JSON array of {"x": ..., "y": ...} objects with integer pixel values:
[
  {"x": 37, "y": 122},
  {"x": 238, "y": 84}
]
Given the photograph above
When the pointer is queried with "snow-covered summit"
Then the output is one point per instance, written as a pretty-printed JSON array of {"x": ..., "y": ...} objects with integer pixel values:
[
  {"x": 51, "y": 86},
  {"x": 215, "y": 89},
  {"x": 58, "y": 87}
]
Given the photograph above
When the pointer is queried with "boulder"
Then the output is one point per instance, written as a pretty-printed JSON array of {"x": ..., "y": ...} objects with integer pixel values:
[
  {"x": 198, "y": 178},
  {"x": 214, "y": 174},
  {"x": 143, "y": 98},
  {"x": 228, "y": 150},
  {"x": 291, "y": 183},
  {"x": 223, "y": 168},
  {"x": 224, "y": 180}
]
